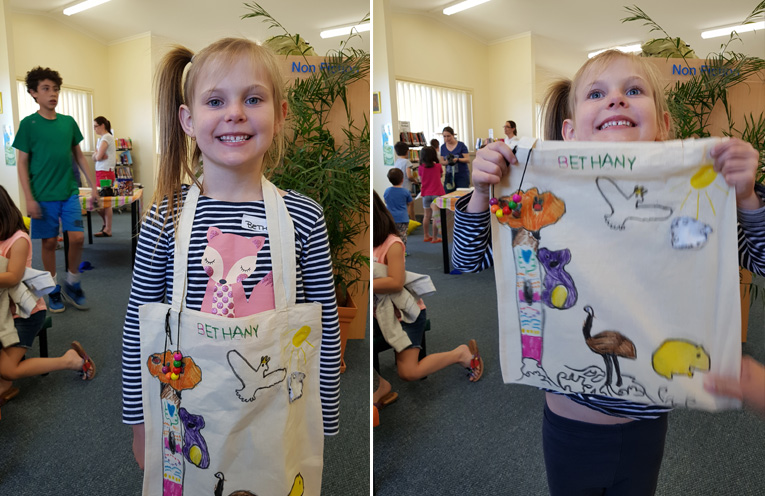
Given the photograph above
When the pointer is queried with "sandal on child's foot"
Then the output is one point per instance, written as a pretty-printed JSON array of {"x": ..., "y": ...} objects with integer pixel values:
[
  {"x": 475, "y": 371},
  {"x": 8, "y": 395},
  {"x": 88, "y": 371},
  {"x": 386, "y": 400},
  {"x": 427, "y": 239},
  {"x": 436, "y": 240}
]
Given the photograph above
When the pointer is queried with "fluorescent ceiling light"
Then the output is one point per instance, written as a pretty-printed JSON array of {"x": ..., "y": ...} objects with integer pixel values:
[
  {"x": 623, "y": 48},
  {"x": 345, "y": 31},
  {"x": 714, "y": 33},
  {"x": 459, "y": 7},
  {"x": 87, "y": 4}
]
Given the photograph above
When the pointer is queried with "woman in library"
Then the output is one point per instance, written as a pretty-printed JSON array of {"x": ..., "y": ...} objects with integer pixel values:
[
  {"x": 105, "y": 158},
  {"x": 459, "y": 153}
]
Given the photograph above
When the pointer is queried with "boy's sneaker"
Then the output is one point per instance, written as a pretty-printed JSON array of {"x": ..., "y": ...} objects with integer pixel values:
[
  {"x": 73, "y": 294},
  {"x": 55, "y": 305}
]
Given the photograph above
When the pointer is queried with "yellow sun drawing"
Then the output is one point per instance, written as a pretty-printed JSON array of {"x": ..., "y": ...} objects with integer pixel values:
[
  {"x": 298, "y": 343},
  {"x": 701, "y": 180}
]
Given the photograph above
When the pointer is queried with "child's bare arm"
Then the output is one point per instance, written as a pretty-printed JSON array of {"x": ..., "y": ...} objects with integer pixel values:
[
  {"x": 17, "y": 261},
  {"x": 139, "y": 435},
  {"x": 490, "y": 164},
  {"x": 396, "y": 272}
]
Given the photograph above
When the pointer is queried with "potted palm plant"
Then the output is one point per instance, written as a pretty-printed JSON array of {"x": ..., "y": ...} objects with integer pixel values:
[
  {"x": 330, "y": 167},
  {"x": 693, "y": 100}
]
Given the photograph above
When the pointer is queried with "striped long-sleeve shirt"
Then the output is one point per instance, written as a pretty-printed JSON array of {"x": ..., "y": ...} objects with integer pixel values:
[
  {"x": 472, "y": 252},
  {"x": 153, "y": 282}
]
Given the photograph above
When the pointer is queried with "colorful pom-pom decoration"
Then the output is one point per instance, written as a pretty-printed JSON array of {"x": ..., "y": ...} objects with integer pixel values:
[
  {"x": 494, "y": 208},
  {"x": 174, "y": 377},
  {"x": 512, "y": 205},
  {"x": 506, "y": 210},
  {"x": 165, "y": 369},
  {"x": 178, "y": 356},
  {"x": 493, "y": 201},
  {"x": 517, "y": 198},
  {"x": 499, "y": 213}
]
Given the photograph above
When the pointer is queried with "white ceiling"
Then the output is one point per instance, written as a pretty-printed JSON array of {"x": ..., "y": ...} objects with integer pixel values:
[
  {"x": 589, "y": 25},
  {"x": 584, "y": 25},
  {"x": 197, "y": 23}
]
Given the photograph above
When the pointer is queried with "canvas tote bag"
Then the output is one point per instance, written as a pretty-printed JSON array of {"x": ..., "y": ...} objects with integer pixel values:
[
  {"x": 617, "y": 274},
  {"x": 245, "y": 413}
]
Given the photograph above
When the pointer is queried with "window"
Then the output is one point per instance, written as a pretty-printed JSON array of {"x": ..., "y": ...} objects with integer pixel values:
[
  {"x": 431, "y": 108},
  {"x": 77, "y": 103}
]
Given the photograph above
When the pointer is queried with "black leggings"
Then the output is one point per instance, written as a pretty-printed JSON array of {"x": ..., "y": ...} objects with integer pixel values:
[{"x": 584, "y": 459}]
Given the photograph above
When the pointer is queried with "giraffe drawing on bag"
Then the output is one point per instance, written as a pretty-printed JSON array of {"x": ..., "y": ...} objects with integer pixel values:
[{"x": 228, "y": 260}]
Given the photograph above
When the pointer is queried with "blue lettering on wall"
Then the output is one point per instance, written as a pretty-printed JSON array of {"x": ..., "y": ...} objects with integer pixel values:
[{"x": 300, "y": 67}]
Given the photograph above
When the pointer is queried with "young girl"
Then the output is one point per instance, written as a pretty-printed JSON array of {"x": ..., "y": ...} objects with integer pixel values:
[
  {"x": 16, "y": 246},
  {"x": 105, "y": 158},
  {"x": 431, "y": 177},
  {"x": 592, "y": 444},
  {"x": 389, "y": 251},
  {"x": 230, "y": 108}
]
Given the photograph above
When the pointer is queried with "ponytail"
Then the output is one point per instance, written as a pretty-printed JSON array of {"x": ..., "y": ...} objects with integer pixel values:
[
  {"x": 556, "y": 109},
  {"x": 103, "y": 121},
  {"x": 174, "y": 144}
]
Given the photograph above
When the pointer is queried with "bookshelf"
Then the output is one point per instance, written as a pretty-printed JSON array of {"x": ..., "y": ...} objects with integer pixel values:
[{"x": 124, "y": 167}]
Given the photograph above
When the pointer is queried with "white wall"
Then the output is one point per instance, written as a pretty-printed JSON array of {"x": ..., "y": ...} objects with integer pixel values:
[
  {"x": 511, "y": 86},
  {"x": 383, "y": 81},
  {"x": 8, "y": 173},
  {"x": 131, "y": 69},
  {"x": 428, "y": 51},
  {"x": 81, "y": 61}
]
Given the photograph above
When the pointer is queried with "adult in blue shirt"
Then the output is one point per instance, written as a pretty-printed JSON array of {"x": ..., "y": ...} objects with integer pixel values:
[{"x": 459, "y": 151}]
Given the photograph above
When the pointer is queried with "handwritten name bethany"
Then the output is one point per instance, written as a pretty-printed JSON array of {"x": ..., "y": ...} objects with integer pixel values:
[{"x": 605, "y": 161}]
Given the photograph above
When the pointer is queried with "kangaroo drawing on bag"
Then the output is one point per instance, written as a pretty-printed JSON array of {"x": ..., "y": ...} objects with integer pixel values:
[{"x": 229, "y": 259}]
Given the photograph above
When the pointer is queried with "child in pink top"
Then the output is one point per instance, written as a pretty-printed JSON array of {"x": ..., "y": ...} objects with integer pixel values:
[
  {"x": 431, "y": 176},
  {"x": 16, "y": 246},
  {"x": 389, "y": 250}
]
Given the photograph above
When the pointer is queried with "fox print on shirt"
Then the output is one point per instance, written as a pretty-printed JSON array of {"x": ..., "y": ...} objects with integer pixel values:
[{"x": 228, "y": 260}]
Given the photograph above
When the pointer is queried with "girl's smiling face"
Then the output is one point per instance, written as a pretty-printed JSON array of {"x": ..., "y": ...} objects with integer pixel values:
[
  {"x": 615, "y": 103},
  {"x": 232, "y": 115}
]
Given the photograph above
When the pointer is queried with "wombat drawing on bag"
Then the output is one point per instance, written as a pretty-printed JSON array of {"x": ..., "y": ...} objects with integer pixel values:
[{"x": 677, "y": 356}]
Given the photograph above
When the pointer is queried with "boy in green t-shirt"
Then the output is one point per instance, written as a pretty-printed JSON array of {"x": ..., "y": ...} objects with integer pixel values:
[{"x": 46, "y": 142}]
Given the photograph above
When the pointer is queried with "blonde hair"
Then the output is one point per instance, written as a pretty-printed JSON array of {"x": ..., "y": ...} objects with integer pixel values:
[
  {"x": 560, "y": 101},
  {"x": 179, "y": 154}
]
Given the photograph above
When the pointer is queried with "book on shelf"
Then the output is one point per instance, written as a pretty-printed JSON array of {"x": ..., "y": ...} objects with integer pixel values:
[
  {"x": 124, "y": 186},
  {"x": 123, "y": 143},
  {"x": 125, "y": 158},
  {"x": 413, "y": 139}
]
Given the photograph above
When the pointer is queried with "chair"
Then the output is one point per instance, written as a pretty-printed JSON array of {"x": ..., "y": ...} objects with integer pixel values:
[{"x": 43, "y": 336}]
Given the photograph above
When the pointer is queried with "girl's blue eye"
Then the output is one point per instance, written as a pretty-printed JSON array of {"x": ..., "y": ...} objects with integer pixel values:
[
  {"x": 253, "y": 100},
  {"x": 634, "y": 91},
  {"x": 595, "y": 94},
  {"x": 215, "y": 102}
]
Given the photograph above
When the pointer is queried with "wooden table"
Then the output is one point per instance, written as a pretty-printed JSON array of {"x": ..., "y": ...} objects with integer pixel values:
[
  {"x": 114, "y": 201},
  {"x": 448, "y": 202}
]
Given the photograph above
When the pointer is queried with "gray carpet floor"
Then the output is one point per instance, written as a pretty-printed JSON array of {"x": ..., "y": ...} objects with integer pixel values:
[
  {"x": 64, "y": 436},
  {"x": 446, "y": 435}
]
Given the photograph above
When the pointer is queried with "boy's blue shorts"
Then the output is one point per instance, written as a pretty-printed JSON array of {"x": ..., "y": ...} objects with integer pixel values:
[{"x": 68, "y": 211}]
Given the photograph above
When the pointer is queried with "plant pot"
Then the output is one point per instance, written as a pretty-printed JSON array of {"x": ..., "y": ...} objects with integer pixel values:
[
  {"x": 746, "y": 288},
  {"x": 346, "y": 315}
]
